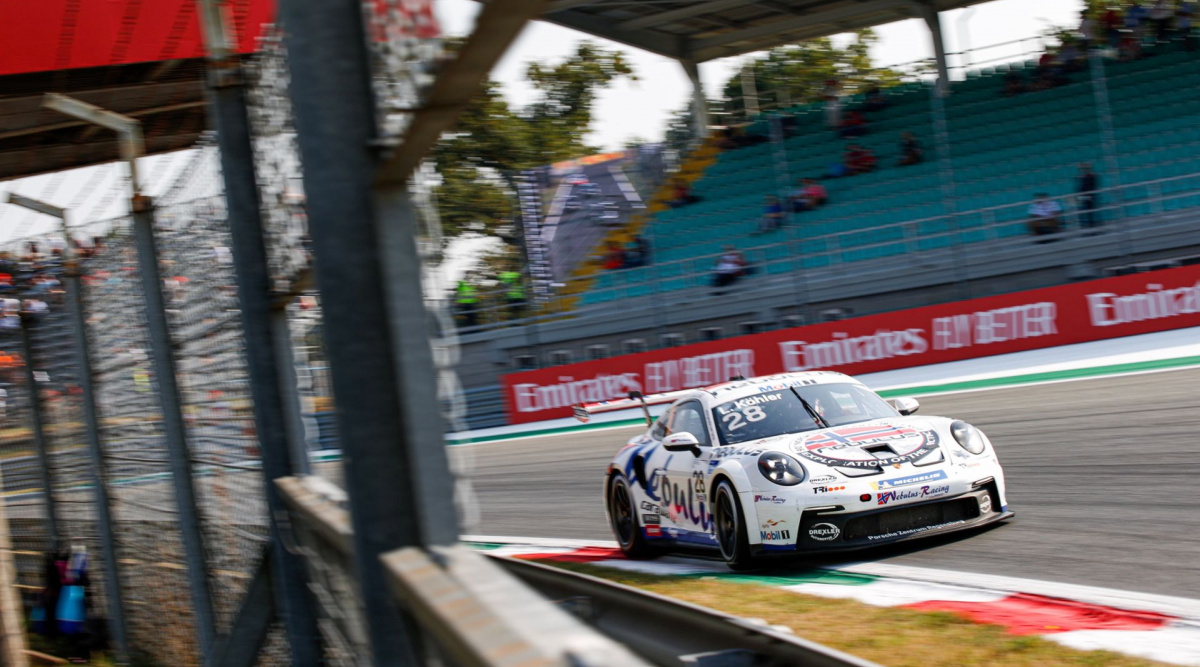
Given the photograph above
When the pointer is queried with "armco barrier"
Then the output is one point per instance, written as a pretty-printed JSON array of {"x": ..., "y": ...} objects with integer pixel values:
[{"x": 1049, "y": 317}]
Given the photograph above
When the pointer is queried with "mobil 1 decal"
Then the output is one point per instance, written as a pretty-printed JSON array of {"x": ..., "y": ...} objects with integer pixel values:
[{"x": 867, "y": 445}]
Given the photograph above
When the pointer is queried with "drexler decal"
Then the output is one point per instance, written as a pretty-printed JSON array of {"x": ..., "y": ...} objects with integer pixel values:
[
  {"x": 824, "y": 532},
  {"x": 843, "y": 447}
]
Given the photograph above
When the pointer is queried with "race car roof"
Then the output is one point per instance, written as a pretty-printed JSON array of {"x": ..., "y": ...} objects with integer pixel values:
[
  {"x": 707, "y": 29},
  {"x": 728, "y": 391}
]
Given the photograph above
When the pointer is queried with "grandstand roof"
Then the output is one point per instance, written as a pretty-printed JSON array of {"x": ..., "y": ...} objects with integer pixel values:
[
  {"x": 141, "y": 59},
  {"x": 700, "y": 30}
]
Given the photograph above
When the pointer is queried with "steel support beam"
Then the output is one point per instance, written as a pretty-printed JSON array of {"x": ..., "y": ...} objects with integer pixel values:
[
  {"x": 335, "y": 120},
  {"x": 933, "y": 21},
  {"x": 173, "y": 428},
  {"x": 227, "y": 99},
  {"x": 699, "y": 102},
  {"x": 241, "y": 646},
  {"x": 39, "y": 436}
]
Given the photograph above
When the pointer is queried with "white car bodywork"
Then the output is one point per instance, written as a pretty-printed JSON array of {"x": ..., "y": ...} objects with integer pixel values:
[{"x": 866, "y": 481}]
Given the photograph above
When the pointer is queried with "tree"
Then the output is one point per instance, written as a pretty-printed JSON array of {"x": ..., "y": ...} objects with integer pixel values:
[
  {"x": 797, "y": 74},
  {"x": 492, "y": 142}
]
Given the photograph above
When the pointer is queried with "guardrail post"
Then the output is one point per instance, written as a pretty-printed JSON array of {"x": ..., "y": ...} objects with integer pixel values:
[
  {"x": 227, "y": 100},
  {"x": 39, "y": 435}
]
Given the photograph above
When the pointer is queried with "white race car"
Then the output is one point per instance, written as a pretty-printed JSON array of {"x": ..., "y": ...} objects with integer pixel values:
[{"x": 794, "y": 463}]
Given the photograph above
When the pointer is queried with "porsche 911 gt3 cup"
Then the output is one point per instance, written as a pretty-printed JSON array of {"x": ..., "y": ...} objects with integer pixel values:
[{"x": 795, "y": 463}]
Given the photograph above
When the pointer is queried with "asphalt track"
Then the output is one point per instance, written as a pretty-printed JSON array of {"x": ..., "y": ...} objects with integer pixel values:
[{"x": 1103, "y": 475}]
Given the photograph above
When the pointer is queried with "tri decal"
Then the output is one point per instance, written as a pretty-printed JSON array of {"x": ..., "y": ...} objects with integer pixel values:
[{"x": 867, "y": 446}]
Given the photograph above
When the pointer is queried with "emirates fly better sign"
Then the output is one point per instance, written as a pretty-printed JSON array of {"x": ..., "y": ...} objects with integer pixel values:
[{"x": 1075, "y": 313}]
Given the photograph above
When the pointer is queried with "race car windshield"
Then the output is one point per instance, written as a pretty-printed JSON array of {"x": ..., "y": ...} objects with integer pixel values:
[{"x": 781, "y": 411}]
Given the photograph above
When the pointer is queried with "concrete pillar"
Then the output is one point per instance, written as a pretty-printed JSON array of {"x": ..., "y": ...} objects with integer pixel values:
[{"x": 699, "y": 103}]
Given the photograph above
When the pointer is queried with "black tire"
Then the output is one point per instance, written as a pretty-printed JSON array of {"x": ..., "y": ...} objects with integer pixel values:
[
  {"x": 622, "y": 516},
  {"x": 729, "y": 526}
]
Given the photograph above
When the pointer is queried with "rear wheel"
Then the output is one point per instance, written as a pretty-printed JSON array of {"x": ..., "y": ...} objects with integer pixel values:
[
  {"x": 730, "y": 528},
  {"x": 623, "y": 517}
]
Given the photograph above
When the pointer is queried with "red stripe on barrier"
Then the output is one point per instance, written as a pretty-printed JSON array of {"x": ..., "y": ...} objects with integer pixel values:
[
  {"x": 584, "y": 555},
  {"x": 1024, "y": 614}
]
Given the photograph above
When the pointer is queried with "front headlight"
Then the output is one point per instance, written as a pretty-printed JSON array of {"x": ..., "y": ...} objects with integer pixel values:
[
  {"x": 781, "y": 468},
  {"x": 968, "y": 436}
]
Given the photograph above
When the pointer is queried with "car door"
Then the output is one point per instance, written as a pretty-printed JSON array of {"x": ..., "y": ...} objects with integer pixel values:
[{"x": 683, "y": 490}]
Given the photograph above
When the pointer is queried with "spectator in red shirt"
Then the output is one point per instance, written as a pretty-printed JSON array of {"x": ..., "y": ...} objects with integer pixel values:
[
  {"x": 853, "y": 125},
  {"x": 614, "y": 256},
  {"x": 1112, "y": 26},
  {"x": 859, "y": 160}
]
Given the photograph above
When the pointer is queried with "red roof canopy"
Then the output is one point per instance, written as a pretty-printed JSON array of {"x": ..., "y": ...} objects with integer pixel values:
[{"x": 45, "y": 35}]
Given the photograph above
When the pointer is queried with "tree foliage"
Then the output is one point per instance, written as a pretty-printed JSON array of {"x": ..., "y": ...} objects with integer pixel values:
[
  {"x": 492, "y": 141},
  {"x": 797, "y": 74}
]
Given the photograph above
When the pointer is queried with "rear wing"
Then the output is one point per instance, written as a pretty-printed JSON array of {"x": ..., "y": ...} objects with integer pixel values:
[{"x": 584, "y": 411}]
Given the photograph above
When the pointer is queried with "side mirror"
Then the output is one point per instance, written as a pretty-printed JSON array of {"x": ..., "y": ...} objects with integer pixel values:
[
  {"x": 681, "y": 442},
  {"x": 906, "y": 405}
]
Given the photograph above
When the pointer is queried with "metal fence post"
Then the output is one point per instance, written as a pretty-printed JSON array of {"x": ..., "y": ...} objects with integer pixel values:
[
  {"x": 227, "y": 100},
  {"x": 176, "y": 437},
  {"x": 132, "y": 147},
  {"x": 112, "y": 575},
  {"x": 74, "y": 290},
  {"x": 39, "y": 434}
]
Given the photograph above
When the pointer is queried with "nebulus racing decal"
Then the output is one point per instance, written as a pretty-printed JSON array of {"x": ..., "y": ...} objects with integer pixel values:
[
  {"x": 911, "y": 494},
  {"x": 824, "y": 532},
  {"x": 845, "y": 447}
]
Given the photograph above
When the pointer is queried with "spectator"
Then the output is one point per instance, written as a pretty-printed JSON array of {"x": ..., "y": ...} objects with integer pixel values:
[
  {"x": 1014, "y": 83},
  {"x": 1112, "y": 27},
  {"x": 1047, "y": 73},
  {"x": 1130, "y": 48},
  {"x": 614, "y": 256},
  {"x": 1087, "y": 29},
  {"x": 853, "y": 125},
  {"x": 772, "y": 215},
  {"x": 1135, "y": 18},
  {"x": 681, "y": 194},
  {"x": 637, "y": 253},
  {"x": 808, "y": 195},
  {"x": 1160, "y": 16},
  {"x": 814, "y": 194},
  {"x": 875, "y": 100},
  {"x": 1071, "y": 57},
  {"x": 859, "y": 160},
  {"x": 1045, "y": 216},
  {"x": 910, "y": 150},
  {"x": 466, "y": 301},
  {"x": 731, "y": 265},
  {"x": 1087, "y": 196},
  {"x": 514, "y": 292}
]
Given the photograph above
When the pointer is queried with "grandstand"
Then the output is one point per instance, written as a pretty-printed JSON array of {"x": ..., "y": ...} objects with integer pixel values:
[{"x": 1003, "y": 151}]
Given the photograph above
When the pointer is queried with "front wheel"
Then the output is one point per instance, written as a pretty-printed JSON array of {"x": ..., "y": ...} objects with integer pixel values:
[
  {"x": 622, "y": 516},
  {"x": 730, "y": 525}
]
